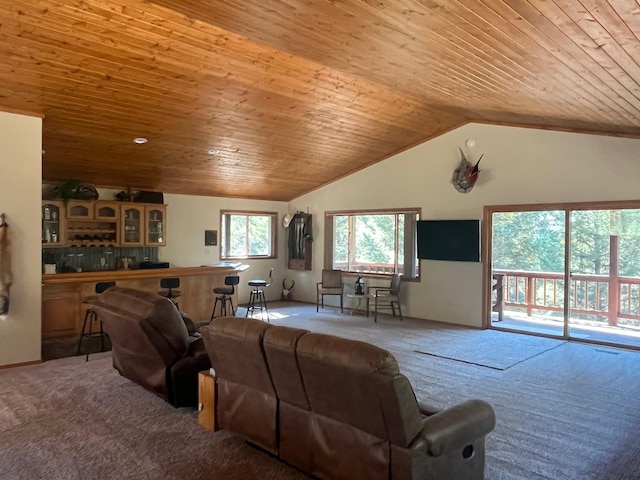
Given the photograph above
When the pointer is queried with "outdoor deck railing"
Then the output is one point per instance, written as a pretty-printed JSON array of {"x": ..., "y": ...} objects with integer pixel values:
[
  {"x": 592, "y": 294},
  {"x": 372, "y": 268}
]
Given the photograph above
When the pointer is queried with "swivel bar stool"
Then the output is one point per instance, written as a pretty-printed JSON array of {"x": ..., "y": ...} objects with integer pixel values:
[
  {"x": 257, "y": 295},
  {"x": 225, "y": 294},
  {"x": 170, "y": 293},
  {"x": 90, "y": 316}
]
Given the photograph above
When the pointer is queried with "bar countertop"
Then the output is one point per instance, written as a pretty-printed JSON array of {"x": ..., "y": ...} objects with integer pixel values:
[
  {"x": 63, "y": 294},
  {"x": 114, "y": 275}
]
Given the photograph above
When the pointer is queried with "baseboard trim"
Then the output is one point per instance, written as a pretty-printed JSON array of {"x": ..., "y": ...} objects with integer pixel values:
[{"x": 23, "y": 364}]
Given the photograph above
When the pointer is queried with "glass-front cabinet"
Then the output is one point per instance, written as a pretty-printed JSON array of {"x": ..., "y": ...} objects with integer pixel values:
[
  {"x": 79, "y": 223},
  {"x": 53, "y": 225},
  {"x": 132, "y": 225},
  {"x": 155, "y": 225}
]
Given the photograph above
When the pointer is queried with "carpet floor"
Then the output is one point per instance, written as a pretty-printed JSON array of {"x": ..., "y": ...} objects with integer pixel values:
[{"x": 569, "y": 411}]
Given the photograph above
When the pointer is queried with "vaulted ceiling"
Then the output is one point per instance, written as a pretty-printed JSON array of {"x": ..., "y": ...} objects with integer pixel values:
[{"x": 293, "y": 94}]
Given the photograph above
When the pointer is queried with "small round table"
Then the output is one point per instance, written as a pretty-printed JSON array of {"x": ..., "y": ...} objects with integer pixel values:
[{"x": 358, "y": 307}]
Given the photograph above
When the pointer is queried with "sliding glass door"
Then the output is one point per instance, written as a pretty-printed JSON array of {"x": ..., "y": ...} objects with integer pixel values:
[
  {"x": 533, "y": 251},
  {"x": 528, "y": 271},
  {"x": 605, "y": 276}
]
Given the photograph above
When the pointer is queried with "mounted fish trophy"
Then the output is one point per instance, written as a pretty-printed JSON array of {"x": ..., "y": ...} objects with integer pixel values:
[
  {"x": 466, "y": 175},
  {"x": 5, "y": 265}
]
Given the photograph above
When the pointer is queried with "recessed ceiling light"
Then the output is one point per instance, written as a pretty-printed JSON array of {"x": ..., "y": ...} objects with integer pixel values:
[
  {"x": 213, "y": 151},
  {"x": 140, "y": 140},
  {"x": 470, "y": 143}
]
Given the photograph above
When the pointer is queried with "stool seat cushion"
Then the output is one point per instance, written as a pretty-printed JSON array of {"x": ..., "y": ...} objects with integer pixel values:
[
  {"x": 224, "y": 290},
  {"x": 257, "y": 283},
  {"x": 170, "y": 293}
]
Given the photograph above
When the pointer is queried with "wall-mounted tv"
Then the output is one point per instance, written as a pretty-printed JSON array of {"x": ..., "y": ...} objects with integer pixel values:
[{"x": 452, "y": 240}]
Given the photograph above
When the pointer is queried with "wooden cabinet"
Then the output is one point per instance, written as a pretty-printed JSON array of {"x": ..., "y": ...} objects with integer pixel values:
[
  {"x": 98, "y": 223},
  {"x": 132, "y": 225},
  {"x": 106, "y": 211},
  {"x": 60, "y": 314},
  {"x": 79, "y": 210},
  {"x": 155, "y": 225},
  {"x": 92, "y": 223},
  {"x": 53, "y": 223}
]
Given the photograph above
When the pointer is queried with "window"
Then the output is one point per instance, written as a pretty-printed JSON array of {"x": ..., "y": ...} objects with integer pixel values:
[
  {"x": 374, "y": 242},
  {"x": 248, "y": 234}
]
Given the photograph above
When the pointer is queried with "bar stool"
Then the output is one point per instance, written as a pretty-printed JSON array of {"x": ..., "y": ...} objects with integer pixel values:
[
  {"x": 225, "y": 294},
  {"x": 90, "y": 316},
  {"x": 170, "y": 293},
  {"x": 257, "y": 296}
]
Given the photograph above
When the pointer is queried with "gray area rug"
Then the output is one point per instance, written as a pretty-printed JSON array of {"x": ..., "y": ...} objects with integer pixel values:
[{"x": 486, "y": 348}]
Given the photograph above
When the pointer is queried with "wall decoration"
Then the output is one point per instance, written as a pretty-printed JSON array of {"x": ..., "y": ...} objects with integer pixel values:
[
  {"x": 286, "y": 291},
  {"x": 300, "y": 242},
  {"x": 6, "y": 277},
  {"x": 126, "y": 263},
  {"x": 466, "y": 174}
]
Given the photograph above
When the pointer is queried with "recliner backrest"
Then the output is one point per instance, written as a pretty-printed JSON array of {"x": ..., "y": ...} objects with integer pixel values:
[
  {"x": 235, "y": 348},
  {"x": 247, "y": 401},
  {"x": 147, "y": 334},
  {"x": 280, "y": 347},
  {"x": 146, "y": 312},
  {"x": 360, "y": 385}
]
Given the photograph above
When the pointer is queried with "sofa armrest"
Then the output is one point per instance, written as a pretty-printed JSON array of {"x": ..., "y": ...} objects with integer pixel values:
[
  {"x": 457, "y": 426},
  {"x": 428, "y": 410}
]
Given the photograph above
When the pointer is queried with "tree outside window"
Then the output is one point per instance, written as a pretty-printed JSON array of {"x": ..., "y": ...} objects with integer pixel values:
[
  {"x": 381, "y": 242},
  {"x": 248, "y": 234}
]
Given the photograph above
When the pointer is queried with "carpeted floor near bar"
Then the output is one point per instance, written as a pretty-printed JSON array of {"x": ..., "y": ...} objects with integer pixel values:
[{"x": 564, "y": 410}]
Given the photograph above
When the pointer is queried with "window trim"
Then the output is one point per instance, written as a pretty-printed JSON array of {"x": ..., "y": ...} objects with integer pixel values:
[
  {"x": 329, "y": 238},
  {"x": 225, "y": 232}
]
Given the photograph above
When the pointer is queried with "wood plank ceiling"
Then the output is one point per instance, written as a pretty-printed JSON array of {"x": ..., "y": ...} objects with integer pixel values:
[{"x": 295, "y": 94}]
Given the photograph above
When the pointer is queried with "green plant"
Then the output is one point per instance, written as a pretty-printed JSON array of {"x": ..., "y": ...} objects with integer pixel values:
[{"x": 74, "y": 190}]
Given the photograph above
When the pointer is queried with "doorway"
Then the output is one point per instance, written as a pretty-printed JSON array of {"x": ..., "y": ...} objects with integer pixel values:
[{"x": 533, "y": 250}]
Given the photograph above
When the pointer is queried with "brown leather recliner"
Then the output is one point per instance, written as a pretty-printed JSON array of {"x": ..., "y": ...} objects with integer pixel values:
[
  {"x": 366, "y": 422},
  {"x": 342, "y": 408},
  {"x": 152, "y": 345},
  {"x": 246, "y": 399}
]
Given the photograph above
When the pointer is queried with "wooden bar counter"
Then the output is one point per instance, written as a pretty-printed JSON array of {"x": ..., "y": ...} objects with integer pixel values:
[{"x": 62, "y": 294}]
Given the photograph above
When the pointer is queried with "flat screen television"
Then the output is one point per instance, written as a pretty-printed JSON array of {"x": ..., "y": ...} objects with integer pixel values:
[{"x": 451, "y": 240}]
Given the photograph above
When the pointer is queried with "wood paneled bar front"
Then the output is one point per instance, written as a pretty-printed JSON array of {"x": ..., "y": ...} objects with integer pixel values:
[{"x": 62, "y": 294}]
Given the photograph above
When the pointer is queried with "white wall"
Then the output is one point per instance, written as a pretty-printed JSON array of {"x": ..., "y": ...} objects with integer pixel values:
[
  {"x": 519, "y": 166},
  {"x": 187, "y": 219},
  {"x": 21, "y": 166}
]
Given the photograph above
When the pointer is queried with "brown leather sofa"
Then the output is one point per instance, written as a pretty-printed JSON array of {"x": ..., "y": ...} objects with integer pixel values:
[
  {"x": 153, "y": 344},
  {"x": 338, "y": 408}
]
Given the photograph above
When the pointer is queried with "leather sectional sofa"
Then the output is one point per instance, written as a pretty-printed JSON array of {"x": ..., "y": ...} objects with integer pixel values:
[
  {"x": 338, "y": 408},
  {"x": 153, "y": 344}
]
